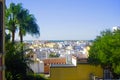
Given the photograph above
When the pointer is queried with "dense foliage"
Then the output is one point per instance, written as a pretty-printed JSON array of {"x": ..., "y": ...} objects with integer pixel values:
[
  {"x": 105, "y": 51},
  {"x": 15, "y": 62}
]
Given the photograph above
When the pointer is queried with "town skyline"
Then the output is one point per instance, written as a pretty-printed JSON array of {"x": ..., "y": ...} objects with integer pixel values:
[{"x": 72, "y": 19}]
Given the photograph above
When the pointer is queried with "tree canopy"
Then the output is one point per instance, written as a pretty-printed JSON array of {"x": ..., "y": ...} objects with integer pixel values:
[
  {"x": 105, "y": 51},
  {"x": 19, "y": 18}
]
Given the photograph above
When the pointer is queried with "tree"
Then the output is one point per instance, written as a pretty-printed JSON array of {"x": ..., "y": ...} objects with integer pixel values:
[
  {"x": 11, "y": 18},
  {"x": 15, "y": 59},
  {"x": 53, "y": 55},
  {"x": 105, "y": 51},
  {"x": 27, "y": 24},
  {"x": 19, "y": 18}
]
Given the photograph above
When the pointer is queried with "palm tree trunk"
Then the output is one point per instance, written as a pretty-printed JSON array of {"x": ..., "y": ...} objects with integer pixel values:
[
  {"x": 13, "y": 33},
  {"x": 21, "y": 39},
  {"x": 21, "y": 36},
  {"x": 13, "y": 37}
]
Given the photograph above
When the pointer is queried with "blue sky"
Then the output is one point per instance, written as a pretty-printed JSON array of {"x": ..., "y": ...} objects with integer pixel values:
[{"x": 72, "y": 19}]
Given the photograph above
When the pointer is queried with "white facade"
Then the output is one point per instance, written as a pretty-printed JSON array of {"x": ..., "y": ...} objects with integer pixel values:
[
  {"x": 74, "y": 61},
  {"x": 37, "y": 67}
]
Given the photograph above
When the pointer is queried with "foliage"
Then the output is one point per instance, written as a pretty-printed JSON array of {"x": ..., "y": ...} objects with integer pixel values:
[
  {"x": 27, "y": 24},
  {"x": 19, "y": 18},
  {"x": 11, "y": 18},
  {"x": 52, "y": 55},
  {"x": 105, "y": 51},
  {"x": 7, "y": 37},
  {"x": 15, "y": 62},
  {"x": 35, "y": 77}
]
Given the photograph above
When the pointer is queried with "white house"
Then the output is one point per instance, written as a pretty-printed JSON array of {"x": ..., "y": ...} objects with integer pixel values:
[{"x": 37, "y": 66}]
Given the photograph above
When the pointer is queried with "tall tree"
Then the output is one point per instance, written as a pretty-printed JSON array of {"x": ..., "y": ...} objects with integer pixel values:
[
  {"x": 105, "y": 51},
  {"x": 11, "y": 18},
  {"x": 27, "y": 24},
  {"x": 19, "y": 18}
]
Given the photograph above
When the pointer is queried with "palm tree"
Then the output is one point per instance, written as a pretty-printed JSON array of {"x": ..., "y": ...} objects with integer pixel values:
[
  {"x": 11, "y": 18},
  {"x": 27, "y": 24},
  {"x": 19, "y": 18}
]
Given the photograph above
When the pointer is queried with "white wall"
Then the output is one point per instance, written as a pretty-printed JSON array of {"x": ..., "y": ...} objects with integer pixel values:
[
  {"x": 37, "y": 67},
  {"x": 74, "y": 61}
]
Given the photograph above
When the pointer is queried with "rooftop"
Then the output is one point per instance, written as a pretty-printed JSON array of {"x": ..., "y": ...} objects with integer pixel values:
[{"x": 62, "y": 65}]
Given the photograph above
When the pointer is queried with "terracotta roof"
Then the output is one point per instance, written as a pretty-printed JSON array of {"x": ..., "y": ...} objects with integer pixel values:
[{"x": 55, "y": 61}]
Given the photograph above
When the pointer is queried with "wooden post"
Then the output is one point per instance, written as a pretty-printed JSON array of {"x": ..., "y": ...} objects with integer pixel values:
[{"x": 2, "y": 39}]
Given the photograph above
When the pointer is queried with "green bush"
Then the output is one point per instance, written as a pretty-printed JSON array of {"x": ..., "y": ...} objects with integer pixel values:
[{"x": 35, "y": 77}]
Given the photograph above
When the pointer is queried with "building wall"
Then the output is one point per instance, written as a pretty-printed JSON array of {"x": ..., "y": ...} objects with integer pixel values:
[
  {"x": 37, "y": 67},
  {"x": 80, "y": 72},
  {"x": 49, "y": 61},
  {"x": 74, "y": 61},
  {"x": 47, "y": 69}
]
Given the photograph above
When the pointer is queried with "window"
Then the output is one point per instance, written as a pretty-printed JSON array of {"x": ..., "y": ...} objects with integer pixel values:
[{"x": 107, "y": 74}]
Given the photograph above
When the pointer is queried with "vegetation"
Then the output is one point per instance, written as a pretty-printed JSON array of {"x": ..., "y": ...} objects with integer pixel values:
[
  {"x": 53, "y": 55},
  {"x": 16, "y": 63},
  {"x": 18, "y": 18},
  {"x": 105, "y": 51},
  {"x": 27, "y": 24},
  {"x": 11, "y": 19},
  {"x": 36, "y": 77}
]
